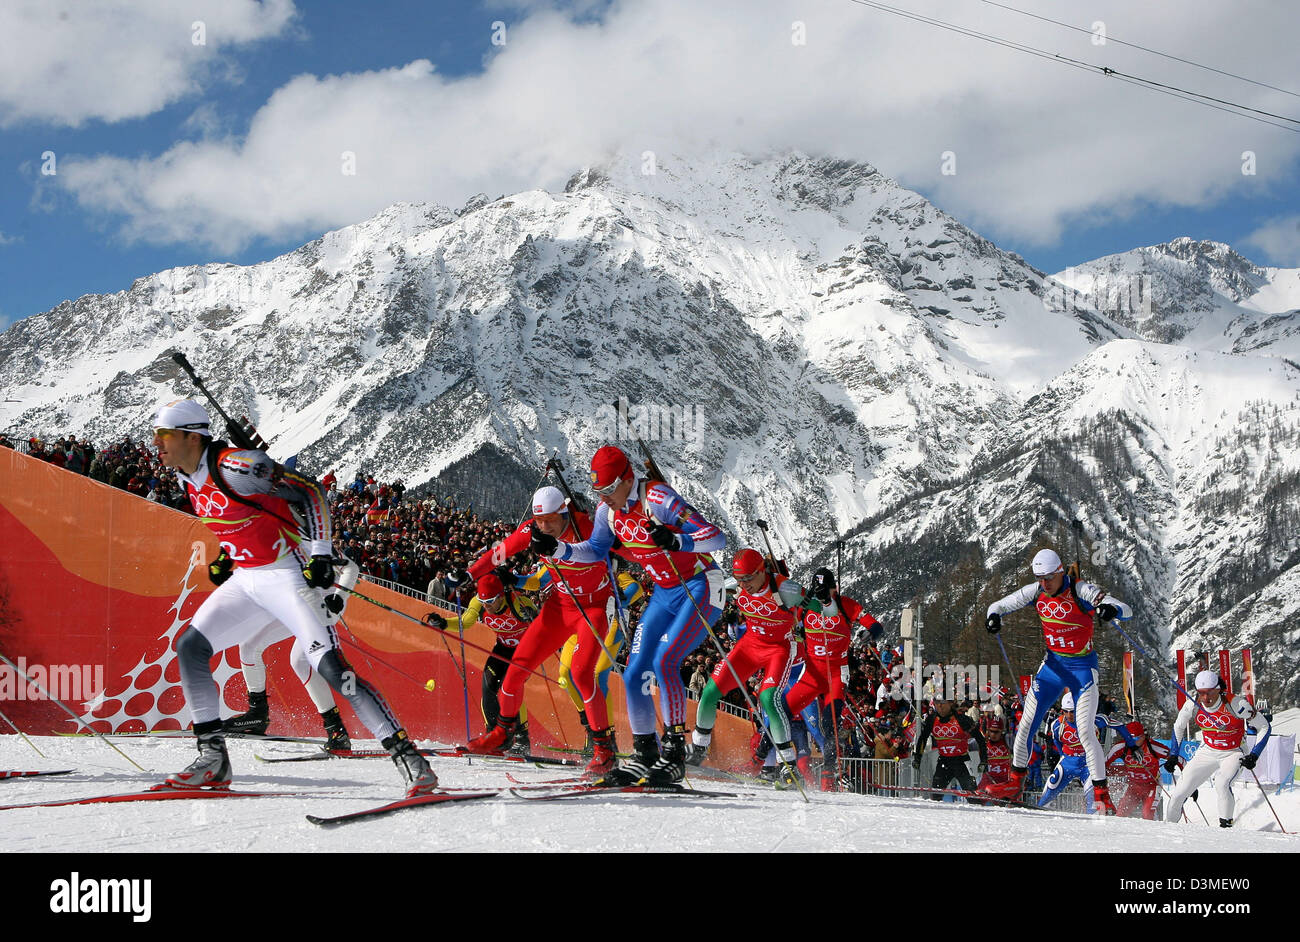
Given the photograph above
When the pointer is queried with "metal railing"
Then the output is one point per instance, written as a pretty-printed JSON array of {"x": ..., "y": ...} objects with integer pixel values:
[
  {"x": 894, "y": 778},
  {"x": 406, "y": 590}
]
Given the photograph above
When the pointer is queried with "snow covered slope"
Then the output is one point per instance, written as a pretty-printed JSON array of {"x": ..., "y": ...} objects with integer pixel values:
[{"x": 762, "y": 820}]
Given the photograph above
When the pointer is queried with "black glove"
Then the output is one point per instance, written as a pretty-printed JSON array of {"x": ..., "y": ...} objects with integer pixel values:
[
  {"x": 916, "y": 760},
  {"x": 1171, "y": 763},
  {"x": 822, "y": 587},
  {"x": 319, "y": 573},
  {"x": 505, "y": 574},
  {"x": 221, "y": 568},
  {"x": 993, "y": 624},
  {"x": 664, "y": 538},
  {"x": 1248, "y": 760},
  {"x": 459, "y": 576},
  {"x": 1195, "y": 793},
  {"x": 435, "y": 620},
  {"x": 542, "y": 544},
  {"x": 1107, "y": 612}
]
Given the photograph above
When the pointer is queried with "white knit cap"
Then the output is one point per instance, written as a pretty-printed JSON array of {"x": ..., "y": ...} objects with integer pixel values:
[
  {"x": 548, "y": 500},
  {"x": 1067, "y": 701},
  {"x": 1046, "y": 562},
  {"x": 1207, "y": 680},
  {"x": 184, "y": 414}
]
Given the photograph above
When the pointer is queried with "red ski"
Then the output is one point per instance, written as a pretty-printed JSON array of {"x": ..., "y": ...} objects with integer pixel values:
[
  {"x": 159, "y": 793},
  {"x": 419, "y": 801},
  {"x": 27, "y": 774}
]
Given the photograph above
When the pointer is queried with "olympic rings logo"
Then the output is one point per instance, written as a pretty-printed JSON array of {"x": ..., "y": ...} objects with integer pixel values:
[
  {"x": 816, "y": 621},
  {"x": 756, "y": 606},
  {"x": 209, "y": 504},
  {"x": 631, "y": 531},
  {"x": 1055, "y": 608},
  {"x": 1214, "y": 720}
]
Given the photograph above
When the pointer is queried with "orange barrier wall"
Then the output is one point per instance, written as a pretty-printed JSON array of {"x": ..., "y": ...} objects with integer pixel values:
[{"x": 96, "y": 585}]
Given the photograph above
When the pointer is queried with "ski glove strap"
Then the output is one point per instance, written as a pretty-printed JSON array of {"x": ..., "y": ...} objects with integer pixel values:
[
  {"x": 220, "y": 569},
  {"x": 319, "y": 573}
]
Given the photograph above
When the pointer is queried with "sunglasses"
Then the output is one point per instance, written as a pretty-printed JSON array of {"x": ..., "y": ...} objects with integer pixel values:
[{"x": 609, "y": 489}]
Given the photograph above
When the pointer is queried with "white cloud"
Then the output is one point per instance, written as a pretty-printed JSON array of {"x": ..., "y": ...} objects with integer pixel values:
[
  {"x": 66, "y": 62},
  {"x": 1038, "y": 146},
  {"x": 9, "y": 240},
  {"x": 1279, "y": 240}
]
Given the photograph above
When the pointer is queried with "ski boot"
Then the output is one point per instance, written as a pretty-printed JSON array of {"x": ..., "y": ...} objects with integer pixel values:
[
  {"x": 496, "y": 740},
  {"x": 1225, "y": 822},
  {"x": 1010, "y": 789},
  {"x": 1101, "y": 798},
  {"x": 830, "y": 782},
  {"x": 645, "y": 753},
  {"x": 698, "y": 749},
  {"x": 671, "y": 767},
  {"x": 255, "y": 721},
  {"x": 519, "y": 745},
  {"x": 418, "y": 777},
  {"x": 336, "y": 734},
  {"x": 588, "y": 747},
  {"x": 787, "y": 776},
  {"x": 603, "y": 758},
  {"x": 787, "y": 770},
  {"x": 212, "y": 768}
]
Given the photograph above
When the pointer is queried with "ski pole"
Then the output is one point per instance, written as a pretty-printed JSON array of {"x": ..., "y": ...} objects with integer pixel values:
[
  {"x": 355, "y": 642},
  {"x": 1260, "y": 786},
  {"x": 464, "y": 682},
  {"x": 412, "y": 618},
  {"x": 1005, "y": 658},
  {"x": 23, "y": 735},
  {"x": 74, "y": 716}
]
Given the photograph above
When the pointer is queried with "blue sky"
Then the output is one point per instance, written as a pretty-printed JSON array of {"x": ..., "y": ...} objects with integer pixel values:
[{"x": 196, "y": 153}]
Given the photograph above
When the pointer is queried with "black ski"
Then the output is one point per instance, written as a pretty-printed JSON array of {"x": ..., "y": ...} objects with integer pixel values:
[
  {"x": 581, "y": 791},
  {"x": 419, "y": 801}
]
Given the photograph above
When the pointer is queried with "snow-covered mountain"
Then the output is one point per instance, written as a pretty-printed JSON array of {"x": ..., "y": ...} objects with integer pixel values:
[
  {"x": 1201, "y": 295},
  {"x": 800, "y": 339}
]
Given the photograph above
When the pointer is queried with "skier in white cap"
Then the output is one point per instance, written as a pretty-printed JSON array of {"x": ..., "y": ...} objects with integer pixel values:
[
  {"x": 1065, "y": 607},
  {"x": 1223, "y": 724},
  {"x": 249, "y": 502},
  {"x": 577, "y": 606}
]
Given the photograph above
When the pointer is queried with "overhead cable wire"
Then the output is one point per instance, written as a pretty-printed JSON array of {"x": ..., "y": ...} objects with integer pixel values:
[
  {"x": 1243, "y": 111},
  {"x": 1154, "y": 52}
]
